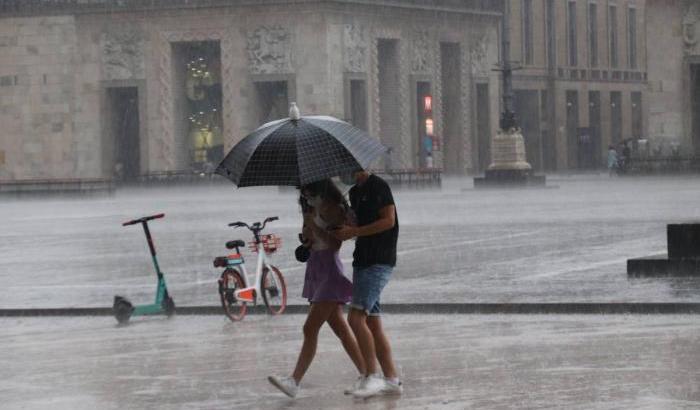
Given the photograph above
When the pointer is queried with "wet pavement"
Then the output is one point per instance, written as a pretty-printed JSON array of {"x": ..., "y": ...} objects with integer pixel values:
[
  {"x": 448, "y": 362},
  {"x": 457, "y": 244}
]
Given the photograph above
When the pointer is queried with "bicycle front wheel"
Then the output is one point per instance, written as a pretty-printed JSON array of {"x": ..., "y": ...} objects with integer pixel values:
[
  {"x": 229, "y": 282},
  {"x": 274, "y": 290}
]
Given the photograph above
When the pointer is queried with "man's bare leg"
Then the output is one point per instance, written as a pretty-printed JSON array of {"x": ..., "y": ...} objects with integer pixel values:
[
  {"x": 358, "y": 323},
  {"x": 382, "y": 347}
]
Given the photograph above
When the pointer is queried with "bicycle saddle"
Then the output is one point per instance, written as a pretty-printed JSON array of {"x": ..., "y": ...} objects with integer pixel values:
[{"x": 235, "y": 244}]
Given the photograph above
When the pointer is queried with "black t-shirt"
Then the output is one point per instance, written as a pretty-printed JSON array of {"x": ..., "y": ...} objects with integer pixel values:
[{"x": 366, "y": 201}]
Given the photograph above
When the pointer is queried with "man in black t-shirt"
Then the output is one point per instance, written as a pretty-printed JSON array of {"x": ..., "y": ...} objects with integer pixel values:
[{"x": 374, "y": 258}]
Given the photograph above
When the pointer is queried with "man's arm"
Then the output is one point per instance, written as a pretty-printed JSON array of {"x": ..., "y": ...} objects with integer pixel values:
[
  {"x": 386, "y": 221},
  {"x": 325, "y": 236}
]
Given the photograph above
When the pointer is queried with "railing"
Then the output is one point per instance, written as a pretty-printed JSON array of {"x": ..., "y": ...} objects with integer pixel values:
[
  {"x": 662, "y": 165},
  {"x": 409, "y": 177},
  {"x": 58, "y": 185},
  {"x": 413, "y": 177}
]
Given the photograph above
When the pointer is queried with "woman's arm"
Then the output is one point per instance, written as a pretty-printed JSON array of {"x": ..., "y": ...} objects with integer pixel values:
[
  {"x": 306, "y": 230},
  {"x": 333, "y": 217}
]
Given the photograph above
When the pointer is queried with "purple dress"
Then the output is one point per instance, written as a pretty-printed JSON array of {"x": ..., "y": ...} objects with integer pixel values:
[{"x": 324, "y": 280}]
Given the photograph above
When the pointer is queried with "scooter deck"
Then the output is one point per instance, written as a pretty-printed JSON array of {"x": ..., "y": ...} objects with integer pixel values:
[{"x": 148, "y": 310}]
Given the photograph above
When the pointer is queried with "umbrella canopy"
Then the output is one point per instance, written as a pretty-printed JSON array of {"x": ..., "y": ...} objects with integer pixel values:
[{"x": 299, "y": 151}]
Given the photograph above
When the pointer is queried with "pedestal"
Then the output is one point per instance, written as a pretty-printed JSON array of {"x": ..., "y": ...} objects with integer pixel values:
[
  {"x": 509, "y": 166},
  {"x": 683, "y": 241}
]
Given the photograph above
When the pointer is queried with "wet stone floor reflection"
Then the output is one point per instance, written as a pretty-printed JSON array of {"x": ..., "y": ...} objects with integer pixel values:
[{"x": 448, "y": 362}]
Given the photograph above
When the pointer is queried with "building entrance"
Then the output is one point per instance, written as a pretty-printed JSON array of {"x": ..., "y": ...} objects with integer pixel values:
[
  {"x": 123, "y": 153},
  {"x": 198, "y": 101}
]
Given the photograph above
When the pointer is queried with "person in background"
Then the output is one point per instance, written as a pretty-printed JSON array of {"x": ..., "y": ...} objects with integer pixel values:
[{"x": 612, "y": 160}]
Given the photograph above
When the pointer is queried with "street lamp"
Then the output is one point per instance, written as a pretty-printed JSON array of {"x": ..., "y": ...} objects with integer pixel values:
[{"x": 509, "y": 165}]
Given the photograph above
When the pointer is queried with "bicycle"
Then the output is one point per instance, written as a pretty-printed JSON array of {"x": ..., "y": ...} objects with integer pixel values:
[{"x": 235, "y": 290}]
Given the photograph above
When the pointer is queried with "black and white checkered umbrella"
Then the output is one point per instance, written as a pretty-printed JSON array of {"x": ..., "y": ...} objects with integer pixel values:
[{"x": 297, "y": 152}]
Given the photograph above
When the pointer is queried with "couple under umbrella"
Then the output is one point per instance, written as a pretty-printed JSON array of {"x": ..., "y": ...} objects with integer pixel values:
[{"x": 306, "y": 152}]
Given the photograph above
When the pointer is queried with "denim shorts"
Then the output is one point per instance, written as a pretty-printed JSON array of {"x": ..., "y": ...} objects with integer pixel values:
[{"x": 367, "y": 285}]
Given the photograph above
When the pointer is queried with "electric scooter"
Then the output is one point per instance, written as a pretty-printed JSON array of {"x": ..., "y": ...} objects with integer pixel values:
[{"x": 123, "y": 309}]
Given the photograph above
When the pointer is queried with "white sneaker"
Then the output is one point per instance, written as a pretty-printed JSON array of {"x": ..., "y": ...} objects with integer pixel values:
[
  {"x": 287, "y": 385},
  {"x": 356, "y": 385},
  {"x": 372, "y": 386},
  {"x": 392, "y": 388}
]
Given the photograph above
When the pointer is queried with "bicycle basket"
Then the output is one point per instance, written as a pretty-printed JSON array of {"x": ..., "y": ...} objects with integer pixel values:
[{"x": 271, "y": 243}]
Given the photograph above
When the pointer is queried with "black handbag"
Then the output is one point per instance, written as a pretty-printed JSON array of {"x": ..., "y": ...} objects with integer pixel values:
[{"x": 302, "y": 253}]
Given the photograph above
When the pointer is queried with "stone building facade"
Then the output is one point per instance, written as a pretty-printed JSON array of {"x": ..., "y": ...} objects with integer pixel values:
[
  {"x": 583, "y": 82},
  {"x": 674, "y": 76},
  {"x": 97, "y": 88}
]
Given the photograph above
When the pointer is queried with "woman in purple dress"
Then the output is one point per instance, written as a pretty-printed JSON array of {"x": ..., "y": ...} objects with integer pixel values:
[{"x": 325, "y": 286}]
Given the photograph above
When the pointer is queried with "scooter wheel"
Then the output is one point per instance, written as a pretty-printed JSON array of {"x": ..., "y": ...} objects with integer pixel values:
[
  {"x": 169, "y": 306},
  {"x": 122, "y": 309}
]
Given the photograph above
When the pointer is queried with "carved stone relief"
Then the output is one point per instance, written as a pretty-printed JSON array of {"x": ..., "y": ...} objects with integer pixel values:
[
  {"x": 269, "y": 50},
  {"x": 122, "y": 55},
  {"x": 477, "y": 56},
  {"x": 691, "y": 17},
  {"x": 355, "y": 49},
  {"x": 420, "y": 59}
]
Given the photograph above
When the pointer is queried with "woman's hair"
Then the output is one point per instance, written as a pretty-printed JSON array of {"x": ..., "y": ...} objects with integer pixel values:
[{"x": 327, "y": 190}]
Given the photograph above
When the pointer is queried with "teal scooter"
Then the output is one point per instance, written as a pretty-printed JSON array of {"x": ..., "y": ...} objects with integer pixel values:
[{"x": 123, "y": 309}]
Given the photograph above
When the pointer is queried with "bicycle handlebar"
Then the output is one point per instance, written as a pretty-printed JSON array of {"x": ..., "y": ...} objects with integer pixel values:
[
  {"x": 256, "y": 227},
  {"x": 144, "y": 219}
]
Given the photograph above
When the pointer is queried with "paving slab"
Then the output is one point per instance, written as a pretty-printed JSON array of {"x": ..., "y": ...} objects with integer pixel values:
[{"x": 450, "y": 361}]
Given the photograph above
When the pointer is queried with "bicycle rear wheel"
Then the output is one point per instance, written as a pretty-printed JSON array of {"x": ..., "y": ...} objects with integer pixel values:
[
  {"x": 274, "y": 290},
  {"x": 229, "y": 282}
]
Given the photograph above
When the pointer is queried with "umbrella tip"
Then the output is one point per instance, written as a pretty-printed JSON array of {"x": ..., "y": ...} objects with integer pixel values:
[{"x": 294, "y": 111}]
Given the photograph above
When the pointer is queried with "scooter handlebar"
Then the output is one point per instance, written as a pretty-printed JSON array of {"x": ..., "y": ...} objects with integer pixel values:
[{"x": 144, "y": 219}]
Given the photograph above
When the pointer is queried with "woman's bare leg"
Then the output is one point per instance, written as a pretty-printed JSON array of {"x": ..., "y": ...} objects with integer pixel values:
[
  {"x": 318, "y": 314},
  {"x": 340, "y": 327}
]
